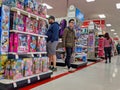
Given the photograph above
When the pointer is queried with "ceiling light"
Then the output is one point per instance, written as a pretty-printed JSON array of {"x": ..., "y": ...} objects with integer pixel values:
[
  {"x": 118, "y": 5},
  {"x": 112, "y": 30},
  {"x": 108, "y": 25},
  {"x": 115, "y": 33},
  {"x": 90, "y": 0},
  {"x": 48, "y": 6},
  {"x": 102, "y": 16}
]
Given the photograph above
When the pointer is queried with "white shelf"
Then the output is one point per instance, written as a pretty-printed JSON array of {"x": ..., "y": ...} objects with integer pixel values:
[
  {"x": 15, "y": 9},
  {"x": 7, "y": 81},
  {"x": 14, "y": 53},
  {"x": 21, "y": 32}
]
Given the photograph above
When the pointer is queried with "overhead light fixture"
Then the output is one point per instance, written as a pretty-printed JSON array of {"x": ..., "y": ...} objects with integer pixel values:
[
  {"x": 102, "y": 15},
  {"x": 48, "y": 6},
  {"x": 108, "y": 25},
  {"x": 118, "y": 5},
  {"x": 112, "y": 30},
  {"x": 90, "y": 0},
  {"x": 115, "y": 33}
]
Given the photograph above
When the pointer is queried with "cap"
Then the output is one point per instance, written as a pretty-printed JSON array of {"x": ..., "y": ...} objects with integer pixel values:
[{"x": 51, "y": 17}]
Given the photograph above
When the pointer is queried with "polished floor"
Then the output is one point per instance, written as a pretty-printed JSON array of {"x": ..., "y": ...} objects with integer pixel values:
[{"x": 99, "y": 76}]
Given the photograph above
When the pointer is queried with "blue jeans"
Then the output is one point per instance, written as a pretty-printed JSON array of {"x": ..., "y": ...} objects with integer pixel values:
[
  {"x": 69, "y": 51},
  {"x": 108, "y": 53}
]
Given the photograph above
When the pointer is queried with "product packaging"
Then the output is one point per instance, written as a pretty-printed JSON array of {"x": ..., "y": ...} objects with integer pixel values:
[
  {"x": 11, "y": 44},
  {"x": 45, "y": 64},
  {"x": 29, "y": 5}
]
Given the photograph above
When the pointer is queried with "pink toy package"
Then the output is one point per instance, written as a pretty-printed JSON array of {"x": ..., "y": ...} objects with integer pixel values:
[
  {"x": 20, "y": 4},
  {"x": 19, "y": 22},
  {"x": 20, "y": 43},
  {"x": 33, "y": 44},
  {"x": 45, "y": 64},
  {"x": 28, "y": 64},
  {"x": 41, "y": 45},
  {"x": 11, "y": 42}
]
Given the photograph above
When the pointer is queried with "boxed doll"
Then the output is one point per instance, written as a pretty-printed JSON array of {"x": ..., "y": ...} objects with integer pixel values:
[
  {"x": 37, "y": 65},
  {"x": 45, "y": 64},
  {"x": 11, "y": 47},
  {"x": 29, "y": 5},
  {"x": 28, "y": 67},
  {"x": 20, "y": 43},
  {"x": 31, "y": 25},
  {"x": 17, "y": 22},
  {"x": 14, "y": 3},
  {"x": 32, "y": 43}
]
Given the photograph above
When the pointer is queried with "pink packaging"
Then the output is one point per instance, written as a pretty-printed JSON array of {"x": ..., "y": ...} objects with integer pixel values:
[
  {"x": 16, "y": 42},
  {"x": 30, "y": 25},
  {"x": 11, "y": 42},
  {"x": 45, "y": 64},
  {"x": 33, "y": 44}
]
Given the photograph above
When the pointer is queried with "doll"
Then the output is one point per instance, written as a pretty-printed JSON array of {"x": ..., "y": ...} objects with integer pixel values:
[{"x": 33, "y": 44}]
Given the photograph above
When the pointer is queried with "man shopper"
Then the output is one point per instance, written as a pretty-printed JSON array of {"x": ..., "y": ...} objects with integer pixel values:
[
  {"x": 52, "y": 41},
  {"x": 69, "y": 42}
]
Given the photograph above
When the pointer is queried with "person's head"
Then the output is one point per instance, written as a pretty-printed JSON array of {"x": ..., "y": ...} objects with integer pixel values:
[
  {"x": 107, "y": 35},
  {"x": 51, "y": 19},
  {"x": 71, "y": 23}
]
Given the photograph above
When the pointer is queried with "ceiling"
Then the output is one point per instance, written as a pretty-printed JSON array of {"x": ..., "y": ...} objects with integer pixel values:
[{"x": 90, "y": 10}]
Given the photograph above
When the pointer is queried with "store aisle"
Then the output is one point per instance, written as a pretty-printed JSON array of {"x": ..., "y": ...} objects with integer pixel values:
[{"x": 100, "y": 76}]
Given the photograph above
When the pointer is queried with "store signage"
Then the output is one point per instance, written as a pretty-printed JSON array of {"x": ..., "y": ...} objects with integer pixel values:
[
  {"x": 71, "y": 12},
  {"x": 91, "y": 25},
  {"x": 79, "y": 15}
]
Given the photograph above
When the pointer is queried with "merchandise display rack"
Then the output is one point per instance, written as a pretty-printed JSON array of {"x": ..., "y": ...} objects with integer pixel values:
[{"x": 11, "y": 84}]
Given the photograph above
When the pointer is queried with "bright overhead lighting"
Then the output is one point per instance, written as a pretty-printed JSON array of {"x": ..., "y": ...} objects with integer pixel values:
[
  {"x": 112, "y": 30},
  {"x": 118, "y": 5},
  {"x": 48, "y": 6},
  {"x": 90, "y": 0},
  {"x": 102, "y": 16},
  {"x": 115, "y": 33},
  {"x": 108, "y": 25}
]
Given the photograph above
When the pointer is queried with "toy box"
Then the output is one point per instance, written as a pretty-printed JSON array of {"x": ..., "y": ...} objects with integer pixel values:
[
  {"x": 41, "y": 45},
  {"x": 37, "y": 65},
  {"x": 4, "y": 28},
  {"x": 31, "y": 25},
  {"x": 28, "y": 64},
  {"x": 3, "y": 59},
  {"x": 32, "y": 43},
  {"x": 20, "y": 43},
  {"x": 11, "y": 47},
  {"x": 35, "y": 7},
  {"x": 29, "y": 5},
  {"x": 14, "y": 3},
  {"x": 45, "y": 64},
  {"x": 17, "y": 22}
]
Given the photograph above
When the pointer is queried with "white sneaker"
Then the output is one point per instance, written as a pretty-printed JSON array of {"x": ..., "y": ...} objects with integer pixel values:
[
  {"x": 65, "y": 67},
  {"x": 70, "y": 70}
]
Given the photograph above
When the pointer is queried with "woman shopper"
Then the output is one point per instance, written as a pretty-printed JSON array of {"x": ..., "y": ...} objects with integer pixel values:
[
  {"x": 118, "y": 48},
  {"x": 107, "y": 47}
]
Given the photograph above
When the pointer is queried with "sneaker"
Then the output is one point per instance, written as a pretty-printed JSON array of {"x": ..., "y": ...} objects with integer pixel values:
[
  {"x": 54, "y": 69},
  {"x": 65, "y": 67},
  {"x": 70, "y": 70},
  {"x": 110, "y": 61},
  {"x": 51, "y": 67},
  {"x": 105, "y": 61}
]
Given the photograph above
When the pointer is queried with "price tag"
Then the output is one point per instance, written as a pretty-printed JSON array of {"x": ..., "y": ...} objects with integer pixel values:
[
  {"x": 38, "y": 77},
  {"x": 29, "y": 15},
  {"x": 18, "y": 12},
  {"x": 40, "y": 55},
  {"x": 29, "y": 81},
  {"x": 14, "y": 84},
  {"x": 37, "y": 18},
  {"x": 16, "y": 56},
  {"x": 32, "y": 55}
]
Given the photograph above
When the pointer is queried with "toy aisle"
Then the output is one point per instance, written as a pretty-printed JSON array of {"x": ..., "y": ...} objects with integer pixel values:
[{"x": 23, "y": 58}]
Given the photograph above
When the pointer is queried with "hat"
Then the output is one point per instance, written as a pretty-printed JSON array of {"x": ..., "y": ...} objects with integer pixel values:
[{"x": 51, "y": 17}]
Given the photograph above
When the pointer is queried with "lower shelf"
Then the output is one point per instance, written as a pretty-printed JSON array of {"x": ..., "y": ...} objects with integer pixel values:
[
  {"x": 14, "y": 84},
  {"x": 94, "y": 60},
  {"x": 73, "y": 65}
]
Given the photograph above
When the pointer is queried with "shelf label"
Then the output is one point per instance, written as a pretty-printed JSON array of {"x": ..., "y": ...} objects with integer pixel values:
[
  {"x": 18, "y": 12},
  {"x": 32, "y": 55},
  {"x": 38, "y": 77},
  {"x": 29, "y": 81},
  {"x": 14, "y": 84},
  {"x": 16, "y": 56},
  {"x": 37, "y": 18},
  {"x": 29, "y": 15}
]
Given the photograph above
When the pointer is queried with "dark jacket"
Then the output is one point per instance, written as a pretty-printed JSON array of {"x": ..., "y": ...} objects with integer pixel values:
[
  {"x": 68, "y": 37},
  {"x": 118, "y": 47},
  {"x": 53, "y": 32}
]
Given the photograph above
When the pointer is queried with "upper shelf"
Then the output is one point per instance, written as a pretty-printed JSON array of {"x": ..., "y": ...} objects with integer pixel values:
[{"x": 20, "y": 11}]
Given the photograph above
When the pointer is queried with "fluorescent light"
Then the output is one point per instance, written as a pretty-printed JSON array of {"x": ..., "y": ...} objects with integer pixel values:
[
  {"x": 112, "y": 30},
  {"x": 118, "y": 5},
  {"x": 115, "y": 33},
  {"x": 48, "y": 6},
  {"x": 108, "y": 25},
  {"x": 90, "y": 0},
  {"x": 102, "y": 16}
]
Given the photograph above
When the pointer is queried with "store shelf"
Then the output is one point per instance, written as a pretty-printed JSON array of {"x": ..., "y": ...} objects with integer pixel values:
[
  {"x": 14, "y": 53},
  {"x": 94, "y": 60},
  {"x": 15, "y": 9},
  {"x": 21, "y": 32},
  {"x": 6, "y": 84}
]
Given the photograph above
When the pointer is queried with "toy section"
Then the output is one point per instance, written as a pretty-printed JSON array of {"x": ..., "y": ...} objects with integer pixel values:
[{"x": 23, "y": 58}]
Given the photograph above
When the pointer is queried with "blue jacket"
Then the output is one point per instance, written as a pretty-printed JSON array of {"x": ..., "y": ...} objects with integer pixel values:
[{"x": 53, "y": 32}]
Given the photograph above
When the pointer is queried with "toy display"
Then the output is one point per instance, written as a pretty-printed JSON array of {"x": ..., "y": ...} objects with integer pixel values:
[
  {"x": 32, "y": 44},
  {"x": 11, "y": 47},
  {"x": 45, "y": 64},
  {"x": 18, "y": 22},
  {"x": 29, "y": 5},
  {"x": 28, "y": 64},
  {"x": 41, "y": 45},
  {"x": 4, "y": 30},
  {"x": 14, "y": 3},
  {"x": 37, "y": 65},
  {"x": 20, "y": 43}
]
